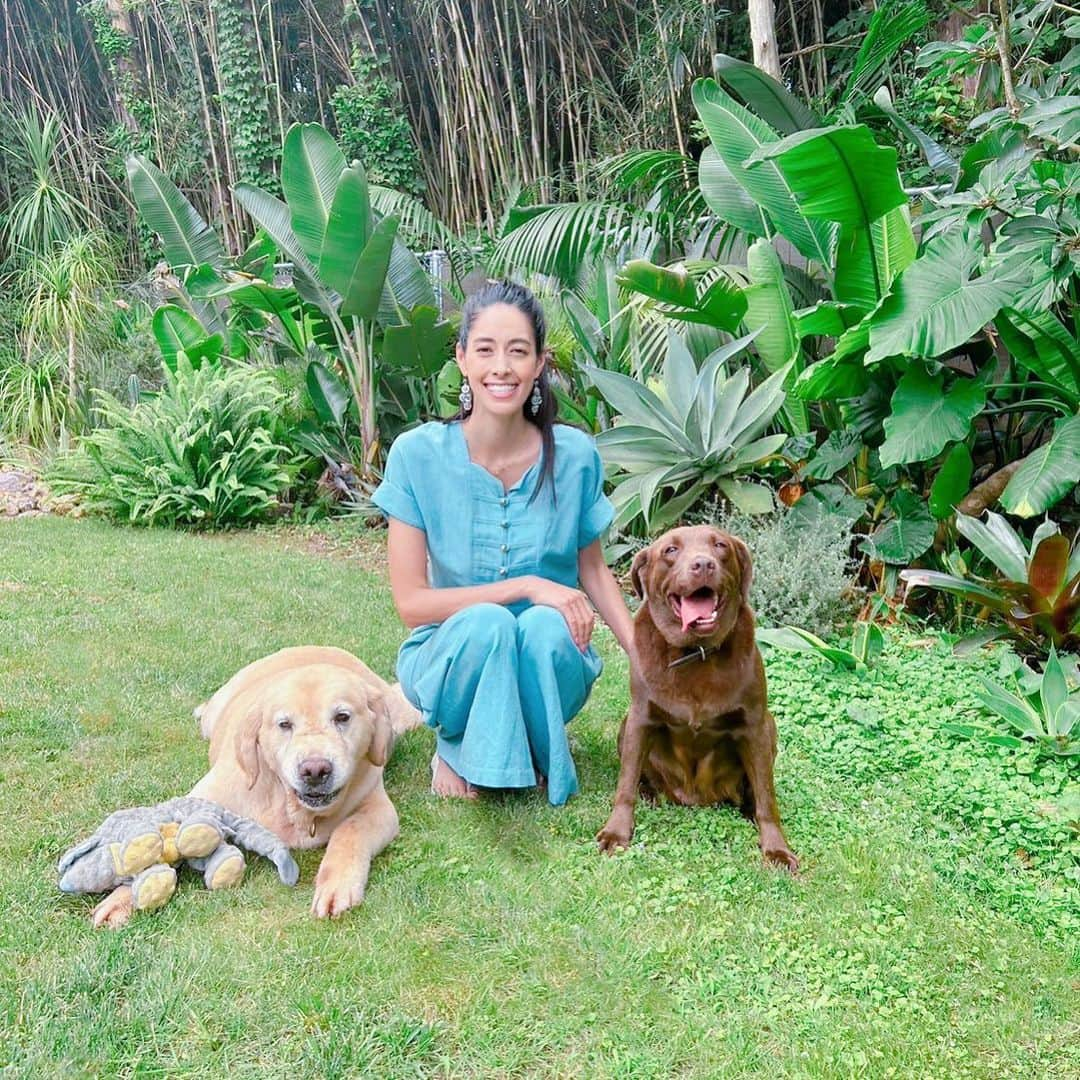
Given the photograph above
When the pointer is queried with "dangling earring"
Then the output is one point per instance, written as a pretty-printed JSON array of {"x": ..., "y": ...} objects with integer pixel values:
[
  {"x": 536, "y": 399},
  {"x": 465, "y": 396}
]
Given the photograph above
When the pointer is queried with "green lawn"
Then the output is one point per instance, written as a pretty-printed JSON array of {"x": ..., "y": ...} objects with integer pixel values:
[{"x": 932, "y": 934}]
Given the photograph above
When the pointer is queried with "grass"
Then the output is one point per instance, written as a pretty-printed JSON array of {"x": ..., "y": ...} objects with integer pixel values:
[{"x": 494, "y": 941}]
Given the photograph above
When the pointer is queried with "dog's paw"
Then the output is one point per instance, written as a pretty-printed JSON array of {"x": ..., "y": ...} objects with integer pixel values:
[
  {"x": 781, "y": 857},
  {"x": 334, "y": 897},
  {"x": 615, "y": 835},
  {"x": 115, "y": 910}
]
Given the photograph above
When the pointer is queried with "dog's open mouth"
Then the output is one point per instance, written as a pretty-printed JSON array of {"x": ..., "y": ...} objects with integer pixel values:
[
  {"x": 699, "y": 611},
  {"x": 315, "y": 800}
]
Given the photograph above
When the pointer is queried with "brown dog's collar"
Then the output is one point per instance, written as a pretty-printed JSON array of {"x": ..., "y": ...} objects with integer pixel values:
[{"x": 700, "y": 653}]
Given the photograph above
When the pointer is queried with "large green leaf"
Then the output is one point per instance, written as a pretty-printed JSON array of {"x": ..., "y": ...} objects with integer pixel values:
[
  {"x": 406, "y": 286},
  {"x": 273, "y": 215},
  {"x": 423, "y": 343},
  {"x": 354, "y": 257},
  {"x": 838, "y": 451},
  {"x": 952, "y": 481},
  {"x": 748, "y": 497},
  {"x": 725, "y": 198},
  {"x": 737, "y": 134},
  {"x": 837, "y": 173},
  {"x": 936, "y": 304},
  {"x": 770, "y": 311},
  {"x": 329, "y": 394},
  {"x": 1047, "y": 473},
  {"x": 827, "y": 318},
  {"x": 832, "y": 379},
  {"x": 763, "y": 95},
  {"x": 969, "y": 590},
  {"x": 721, "y": 305},
  {"x": 908, "y": 533},
  {"x": 1041, "y": 344},
  {"x": 177, "y": 330},
  {"x": 795, "y": 639},
  {"x": 283, "y": 303},
  {"x": 186, "y": 239},
  {"x": 311, "y": 165},
  {"x": 868, "y": 261},
  {"x": 998, "y": 541},
  {"x": 925, "y": 418},
  {"x": 367, "y": 277}
]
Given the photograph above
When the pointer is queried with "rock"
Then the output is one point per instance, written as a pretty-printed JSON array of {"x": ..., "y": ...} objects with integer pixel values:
[{"x": 21, "y": 495}]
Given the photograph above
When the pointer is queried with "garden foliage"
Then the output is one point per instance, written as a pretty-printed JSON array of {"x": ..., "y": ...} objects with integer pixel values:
[{"x": 201, "y": 453}]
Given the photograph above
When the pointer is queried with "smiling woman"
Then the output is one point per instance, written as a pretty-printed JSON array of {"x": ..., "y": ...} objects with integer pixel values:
[{"x": 495, "y": 522}]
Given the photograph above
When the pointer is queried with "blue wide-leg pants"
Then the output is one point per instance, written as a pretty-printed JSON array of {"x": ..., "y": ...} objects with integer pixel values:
[{"x": 499, "y": 690}]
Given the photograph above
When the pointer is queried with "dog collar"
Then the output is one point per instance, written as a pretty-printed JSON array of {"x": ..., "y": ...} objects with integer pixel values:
[{"x": 700, "y": 653}]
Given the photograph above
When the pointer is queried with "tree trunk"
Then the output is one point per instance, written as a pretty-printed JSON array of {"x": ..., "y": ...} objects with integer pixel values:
[
  {"x": 126, "y": 72},
  {"x": 763, "y": 36}
]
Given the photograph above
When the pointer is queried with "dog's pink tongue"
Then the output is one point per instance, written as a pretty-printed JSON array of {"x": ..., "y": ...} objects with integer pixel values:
[{"x": 694, "y": 608}]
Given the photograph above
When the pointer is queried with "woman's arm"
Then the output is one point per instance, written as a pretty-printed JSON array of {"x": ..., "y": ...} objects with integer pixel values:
[
  {"x": 417, "y": 602},
  {"x": 603, "y": 590}
]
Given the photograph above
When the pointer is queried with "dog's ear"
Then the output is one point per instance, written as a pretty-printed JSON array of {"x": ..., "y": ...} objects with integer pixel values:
[
  {"x": 246, "y": 747},
  {"x": 746, "y": 568},
  {"x": 639, "y": 566},
  {"x": 382, "y": 731}
]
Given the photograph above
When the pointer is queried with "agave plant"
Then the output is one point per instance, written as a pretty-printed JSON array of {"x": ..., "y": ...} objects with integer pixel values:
[
  {"x": 1038, "y": 593},
  {"x": 1043, "y": 708},
  {"x": 698, "y": 428}
]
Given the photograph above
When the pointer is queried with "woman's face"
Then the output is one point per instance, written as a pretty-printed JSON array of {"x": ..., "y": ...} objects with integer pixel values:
[{"x": 500, "y": 360}]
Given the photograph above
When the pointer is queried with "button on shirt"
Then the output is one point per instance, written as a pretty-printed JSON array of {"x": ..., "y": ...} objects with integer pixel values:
[{"x": 476, "y": 531}]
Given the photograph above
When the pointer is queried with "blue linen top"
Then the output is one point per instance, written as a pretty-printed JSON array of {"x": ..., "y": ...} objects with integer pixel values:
[{"x": 478, "y": 533}]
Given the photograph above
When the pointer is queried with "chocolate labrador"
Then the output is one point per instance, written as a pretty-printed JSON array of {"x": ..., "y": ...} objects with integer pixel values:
[{"x": 699, "y": 731}]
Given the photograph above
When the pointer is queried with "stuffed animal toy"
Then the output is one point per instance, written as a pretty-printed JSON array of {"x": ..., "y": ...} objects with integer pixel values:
[{"x": 137, "y": 847}]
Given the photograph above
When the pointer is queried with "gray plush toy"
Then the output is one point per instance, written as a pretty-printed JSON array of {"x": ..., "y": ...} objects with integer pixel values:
[{"x": 137, "y": 847}]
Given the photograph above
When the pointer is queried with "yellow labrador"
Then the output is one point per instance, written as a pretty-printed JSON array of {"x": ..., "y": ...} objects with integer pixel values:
[{"x": 298, "y": 741}]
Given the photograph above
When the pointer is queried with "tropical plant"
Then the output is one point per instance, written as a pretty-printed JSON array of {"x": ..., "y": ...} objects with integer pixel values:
[
  {"x": 1041, "y": 707},
  {"x": 44, "y": 211},
  {"x": 65, "y": 296},
  {"x": 199, "y": 454},
  {"x": 867, "y": 643},
  {"x": 697, "y": 429},
  {"x": 34, "y": 404},
  {"x": 1038, "y": 592},
  {"x": 354, "y": 279}
]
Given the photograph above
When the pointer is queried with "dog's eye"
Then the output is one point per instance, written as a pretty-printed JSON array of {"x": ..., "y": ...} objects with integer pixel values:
[
  {"x": 719, "y": 543},
  {"x": 341, "y": 717},
  {"x": 284, "y": 724},
  {"x": 671, "y": 549}
]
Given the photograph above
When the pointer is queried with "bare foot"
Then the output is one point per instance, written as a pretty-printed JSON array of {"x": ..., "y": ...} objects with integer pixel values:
[{"x": 447, "y": 784}]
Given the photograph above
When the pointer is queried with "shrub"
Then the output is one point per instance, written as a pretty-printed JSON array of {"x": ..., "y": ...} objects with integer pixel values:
[
  {"x": 34, "y": 403},
  {"x": 200, "y": 453},
  {"x": 802, "y": 576}
]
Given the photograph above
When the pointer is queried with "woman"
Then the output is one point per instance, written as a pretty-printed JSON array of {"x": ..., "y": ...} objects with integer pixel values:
[{"x": 495, "y": 518}]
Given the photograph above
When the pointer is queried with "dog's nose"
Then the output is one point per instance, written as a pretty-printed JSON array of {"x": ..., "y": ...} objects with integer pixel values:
[
  {"x": 315, "y": 771},
  {"x": 703, "y": 565}
]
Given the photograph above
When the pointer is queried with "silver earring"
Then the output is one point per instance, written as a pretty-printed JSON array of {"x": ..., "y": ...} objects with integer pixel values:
[
  {"x": 536, "y": 399},
  {"x": 465, "y": 396}
]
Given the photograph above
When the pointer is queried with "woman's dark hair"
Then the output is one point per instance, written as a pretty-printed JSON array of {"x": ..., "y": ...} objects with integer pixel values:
[{"x": 507, "y": 292}]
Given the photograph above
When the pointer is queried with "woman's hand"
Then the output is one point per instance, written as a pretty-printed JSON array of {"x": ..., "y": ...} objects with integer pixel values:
[{"x": 572, "y": 603}]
